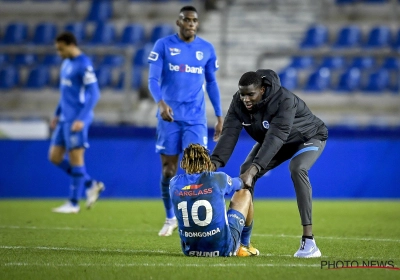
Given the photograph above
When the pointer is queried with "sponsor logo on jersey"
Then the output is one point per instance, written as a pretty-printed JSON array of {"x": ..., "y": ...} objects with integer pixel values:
[
  {"x": 192, "y": 187},
  {"x": 153, "y": 56},
  {"x": 241, "y": 221},
  {"x": 66, "y": 82},
  {"x": 200, "y": 233},
  {"x": 186, "y": 68},
  {"x": 174, "y": 51},
  {"x": 193, "y": 192},
  {"x": 199, "y": 55},
  {"x": 265, "y": 124},
  {"x": 89, "y": 77},
  {"x": 204, "y": 254}
]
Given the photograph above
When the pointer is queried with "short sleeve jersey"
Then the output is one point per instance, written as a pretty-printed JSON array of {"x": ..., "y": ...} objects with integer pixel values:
[
  {"x": 183, "y": 74},
  {"x": 199, "y": 206},
  {"x": 75, "y": 74}
]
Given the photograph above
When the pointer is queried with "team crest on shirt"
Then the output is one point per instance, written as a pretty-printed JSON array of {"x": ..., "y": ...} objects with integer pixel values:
[
  {"x": 174, "y": 51},
  {"x": 199, "y": 55},
  {"x": 265, "y": 124}
]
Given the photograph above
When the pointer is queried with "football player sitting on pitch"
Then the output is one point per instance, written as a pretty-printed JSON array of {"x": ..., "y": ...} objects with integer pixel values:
[{"x": 205, "y": 228}]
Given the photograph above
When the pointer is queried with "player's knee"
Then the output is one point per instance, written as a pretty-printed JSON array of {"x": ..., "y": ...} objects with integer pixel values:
[
  {"x": 296, "y": 170},
  {"x": 54, "y": 158},
  {"x": 168, "y": 171}
]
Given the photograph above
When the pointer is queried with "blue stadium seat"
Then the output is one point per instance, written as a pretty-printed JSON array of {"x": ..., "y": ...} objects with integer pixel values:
[
  {"x": 51, "y": 60},
  {"x": 16, "y": 33},
  {"x": 133, "y": 34},
  {"x": 333, "y": 62},
  {"x": 348, "y": 37},
  {"x": 161, "y": 30},
  {"x": 100, "y": 10},
  {"x": 316, "y": 36},
  {"x": 136, "y": 79},
  {"x": 4, "y": 59},
  {"x": 379, "y": 37},
  {"x": 9, "y": 77},
  {"x": 302, "y": 62},
  {"x": 38, "y": 78},
  {"x": 349, "y": 81},
  {"x": 363, "y": 62},
  {"x": 396, "y": 41},
  {"x": 289, "y": 78},
  {"x": 104, "y": 34},
  {"x": 377, "y": 82},
  {"x": 25, "y": 59},
  {"x": 45, "y": 33},
  {"x": 113, "y": 60},
  {"x": 319, "y": 81},
  {"x": 103, "y": 74},
  {"x": 391, "y": 63},
  {"x": 78, "y": 29},
  {"x": 141, "y": 55}
]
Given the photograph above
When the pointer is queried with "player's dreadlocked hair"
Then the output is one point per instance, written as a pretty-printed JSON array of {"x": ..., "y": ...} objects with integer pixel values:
[
  {"x": 196, "y": 159},
  {"x": 250, "y": 78}
]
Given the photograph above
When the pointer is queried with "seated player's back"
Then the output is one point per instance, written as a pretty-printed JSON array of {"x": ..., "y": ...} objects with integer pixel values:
[{"x": 199, "y": 207}]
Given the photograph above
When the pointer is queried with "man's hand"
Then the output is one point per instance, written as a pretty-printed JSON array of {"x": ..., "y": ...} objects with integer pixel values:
[
  {"x": 165, "y": 111},
  {"x": 53, "y": 122},
  {"x": 218, "y": 129},
  {"x": 248, "y": 177},
  {"x": 77, "y": 126}
]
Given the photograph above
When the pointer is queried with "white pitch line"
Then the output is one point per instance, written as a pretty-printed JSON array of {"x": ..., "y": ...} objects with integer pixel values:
[
  {"x": 328, "y": 237},
  {"x": 153, "y": 251},
  {"x": 83, "y": 250},
  {"x": 162, "y": 265},
  {"x": 254, "y": 234}
]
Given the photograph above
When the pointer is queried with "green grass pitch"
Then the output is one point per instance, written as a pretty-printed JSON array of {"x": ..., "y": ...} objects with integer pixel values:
[{"x": 117, "y": 239}]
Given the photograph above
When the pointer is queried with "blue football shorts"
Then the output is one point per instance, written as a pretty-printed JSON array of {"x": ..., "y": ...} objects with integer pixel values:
[
  {"x": 63, "y": 136},
  {"x": 236, "y": 222},
  {"x": 174, "y": 137}
]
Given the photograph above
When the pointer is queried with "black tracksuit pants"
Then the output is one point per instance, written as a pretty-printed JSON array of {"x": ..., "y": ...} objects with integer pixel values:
[{"x": 302, "y": 157}]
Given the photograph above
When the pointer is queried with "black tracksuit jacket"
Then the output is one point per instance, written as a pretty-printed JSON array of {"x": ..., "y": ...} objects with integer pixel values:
[{"x": 280, "y": 118}]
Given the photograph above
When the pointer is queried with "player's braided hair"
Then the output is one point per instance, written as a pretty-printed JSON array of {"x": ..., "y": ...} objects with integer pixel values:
[{"x": 196, "y": 159}]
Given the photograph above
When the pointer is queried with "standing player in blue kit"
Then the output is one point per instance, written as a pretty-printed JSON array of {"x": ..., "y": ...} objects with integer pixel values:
[
  {"x": 179, "y": 65},
  {"x": 72, "y": 118}
]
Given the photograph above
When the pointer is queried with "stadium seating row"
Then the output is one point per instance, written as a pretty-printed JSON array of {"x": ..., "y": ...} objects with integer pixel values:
[
  {"x": 351, "y": 36},
  {"x": 343, "y": 2},
  {"x": 349, "y": 80},
  {"x": 105, "y": 33},
  {"x": 39, "y": 69}
]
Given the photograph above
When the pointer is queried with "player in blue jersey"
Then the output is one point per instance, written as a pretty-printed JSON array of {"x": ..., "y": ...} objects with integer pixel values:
[
  {"x": 179, "y": 65},
  {"x": 73, "y": 116},
  {"x": 205, "y": 228}
]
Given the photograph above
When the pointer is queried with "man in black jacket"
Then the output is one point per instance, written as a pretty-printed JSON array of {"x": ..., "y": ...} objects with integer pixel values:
[{"x": 284, "y": 129}]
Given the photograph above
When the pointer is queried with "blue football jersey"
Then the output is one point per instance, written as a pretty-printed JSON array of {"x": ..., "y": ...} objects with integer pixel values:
[
  {"x": 183, "y": 74},
  {"x": 76, "y": 101},
  {"x": 199, "y": 206}
]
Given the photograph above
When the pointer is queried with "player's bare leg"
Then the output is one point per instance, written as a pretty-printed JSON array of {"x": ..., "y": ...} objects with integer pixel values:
[{"x": 169, "y": 168}]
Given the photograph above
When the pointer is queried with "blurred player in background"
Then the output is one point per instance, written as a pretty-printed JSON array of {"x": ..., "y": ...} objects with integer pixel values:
[
  {"x": 73, "y": 116},
  {"x": 205, "y": 228},
  {"x": 179, "y": 65},
  {"x": 284, "y": 129}
]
